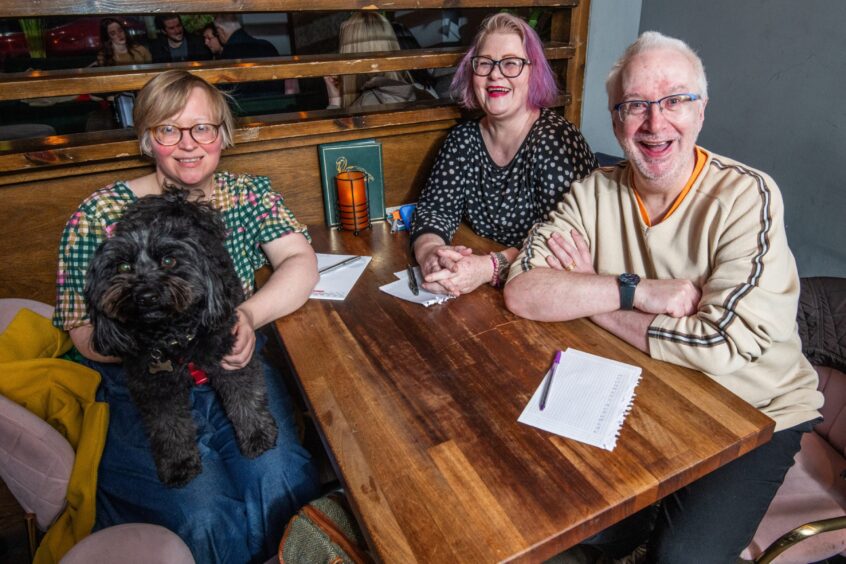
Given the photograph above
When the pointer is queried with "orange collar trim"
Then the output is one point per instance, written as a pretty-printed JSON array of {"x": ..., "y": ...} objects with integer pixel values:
[{"x": 701, "y": 157}]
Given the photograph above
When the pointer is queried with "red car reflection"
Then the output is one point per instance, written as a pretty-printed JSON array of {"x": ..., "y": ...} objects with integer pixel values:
[
  {"x": 12, "y": 40},
  {"x": 63, "y": 37},
  {"x": 82, "y": 36}
]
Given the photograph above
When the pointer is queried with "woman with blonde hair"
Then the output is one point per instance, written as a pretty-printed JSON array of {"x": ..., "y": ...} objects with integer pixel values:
[
  {"x": 370, "y": 32},
  {"x": 235, "y": 510}
]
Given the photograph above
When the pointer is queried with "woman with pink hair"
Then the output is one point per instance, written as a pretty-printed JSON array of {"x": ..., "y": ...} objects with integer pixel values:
[{"x": 503, "y": 172}]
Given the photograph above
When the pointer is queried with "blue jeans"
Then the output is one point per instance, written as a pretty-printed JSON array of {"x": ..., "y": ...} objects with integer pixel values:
[{"x": 235, "y": 511}]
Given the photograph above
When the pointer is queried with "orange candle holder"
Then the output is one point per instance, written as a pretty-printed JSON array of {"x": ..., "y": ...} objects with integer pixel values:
[{"x": 353, "y": 207}]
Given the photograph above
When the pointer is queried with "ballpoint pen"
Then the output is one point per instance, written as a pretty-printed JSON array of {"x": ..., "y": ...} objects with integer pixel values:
[
  {"x": 548, "y": 383},
  {"x": 332, "y": 267},
  {"x": 412, "y": 281}
]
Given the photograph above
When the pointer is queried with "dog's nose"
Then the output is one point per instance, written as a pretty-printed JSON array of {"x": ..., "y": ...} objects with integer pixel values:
[{"x": 148, "y": 299}]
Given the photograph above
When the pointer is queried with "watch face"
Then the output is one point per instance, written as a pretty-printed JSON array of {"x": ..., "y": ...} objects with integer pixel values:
[{"x": 629, "y": 279}]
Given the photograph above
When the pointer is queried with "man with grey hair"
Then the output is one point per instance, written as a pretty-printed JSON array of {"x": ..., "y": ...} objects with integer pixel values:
[
  {"x": 683, "y": 254},
  {"x": 237, "y": 43}
]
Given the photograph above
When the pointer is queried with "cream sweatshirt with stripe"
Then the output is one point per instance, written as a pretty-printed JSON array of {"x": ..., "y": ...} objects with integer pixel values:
[{"x": 728, "y": 238}]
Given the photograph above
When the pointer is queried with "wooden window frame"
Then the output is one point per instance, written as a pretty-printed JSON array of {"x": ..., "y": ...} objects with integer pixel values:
[{"x": 21, "y": 159}]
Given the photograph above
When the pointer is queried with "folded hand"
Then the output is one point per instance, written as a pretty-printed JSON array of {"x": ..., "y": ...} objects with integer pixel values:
[
  {"x": 573, "y": 257},
  {"x": 455, "y": 270},
  {"x": 676, "y": 298},
  {"x": 245, "y": 343}
]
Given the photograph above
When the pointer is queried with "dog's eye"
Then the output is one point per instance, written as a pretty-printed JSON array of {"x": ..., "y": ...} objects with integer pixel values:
[
  {"x": 168, "y": 262},
  {"x": 124, "y": 267}
]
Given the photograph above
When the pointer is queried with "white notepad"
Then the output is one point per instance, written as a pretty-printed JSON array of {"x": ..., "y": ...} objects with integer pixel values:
[
  {"x": 336, "y": 284},
  {"x": 588, "y": 399},
  {"x": 400, "y": 289}
]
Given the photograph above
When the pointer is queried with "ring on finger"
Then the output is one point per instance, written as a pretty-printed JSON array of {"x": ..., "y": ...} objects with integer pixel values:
[{"x": 570, "y": 266}]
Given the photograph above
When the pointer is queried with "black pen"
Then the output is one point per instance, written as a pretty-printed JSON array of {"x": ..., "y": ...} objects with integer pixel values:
[
  {"x": 412, "y": 281},
  {"x": 344, "y": 262},
  {"x": 548, "y": 383}
]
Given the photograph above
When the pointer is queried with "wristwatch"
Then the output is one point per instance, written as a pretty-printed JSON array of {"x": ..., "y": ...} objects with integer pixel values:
[{"x": 628, "y": 283}]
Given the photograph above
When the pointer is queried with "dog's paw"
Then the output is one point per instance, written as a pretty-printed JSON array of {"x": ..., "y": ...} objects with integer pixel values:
[
  {"x": 262, "y": 439},
  {"x": 177, "y": 473}
]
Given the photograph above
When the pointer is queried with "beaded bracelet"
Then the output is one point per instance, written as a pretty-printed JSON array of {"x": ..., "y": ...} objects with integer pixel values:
[
  {"x": 500, "y": 266},
  {"x": 495, "y": 275}
]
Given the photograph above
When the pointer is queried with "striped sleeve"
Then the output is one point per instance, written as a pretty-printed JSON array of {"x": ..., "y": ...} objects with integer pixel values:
[
  {"x": 568, "y": 215},
  {"x": 749, "y": 300}
]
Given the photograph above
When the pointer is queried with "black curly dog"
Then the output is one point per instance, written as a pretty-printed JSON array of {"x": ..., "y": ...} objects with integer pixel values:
[{"x": 161, "y": 293}]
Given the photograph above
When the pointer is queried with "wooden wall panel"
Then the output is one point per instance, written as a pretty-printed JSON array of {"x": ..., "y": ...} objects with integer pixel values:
[
  {"x": 33, "y": 217},
  {"x": 12, "y": 9},
  {"x": 39, "y": 83}
]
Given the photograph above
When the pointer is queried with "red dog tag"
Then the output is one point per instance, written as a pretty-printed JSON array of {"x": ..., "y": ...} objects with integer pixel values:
[{"x": 200, "y": 377}]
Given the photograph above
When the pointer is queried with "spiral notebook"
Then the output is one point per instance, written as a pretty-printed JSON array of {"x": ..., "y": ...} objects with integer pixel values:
[{"x": 588, "y": 400}]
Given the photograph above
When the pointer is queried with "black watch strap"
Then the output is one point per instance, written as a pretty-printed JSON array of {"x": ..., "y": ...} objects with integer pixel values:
[{"x": 628, "y": 284}]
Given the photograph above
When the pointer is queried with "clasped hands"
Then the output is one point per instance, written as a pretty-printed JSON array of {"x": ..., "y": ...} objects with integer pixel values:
[
  {"x": 454, "y": 270},
  {"x": 673, "y": 297}
]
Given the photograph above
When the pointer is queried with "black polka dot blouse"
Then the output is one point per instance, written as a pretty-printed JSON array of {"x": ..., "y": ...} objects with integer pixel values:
[{"x": 501, "y": 203}]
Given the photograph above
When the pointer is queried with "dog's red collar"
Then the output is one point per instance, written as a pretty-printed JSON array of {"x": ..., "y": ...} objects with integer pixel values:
[{"x": 200, "y": 377}]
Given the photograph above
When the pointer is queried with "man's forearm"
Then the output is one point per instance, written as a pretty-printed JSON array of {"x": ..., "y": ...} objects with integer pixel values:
[
  {"x": 546, "y": 294},
  {"x": 631, "y": 326}
]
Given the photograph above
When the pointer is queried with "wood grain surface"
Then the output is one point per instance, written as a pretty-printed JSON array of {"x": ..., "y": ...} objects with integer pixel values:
[
  {"x": 418, "y": 409},
  {"x": 31, "y": 159},
  {"x": 13, "y": 9}
]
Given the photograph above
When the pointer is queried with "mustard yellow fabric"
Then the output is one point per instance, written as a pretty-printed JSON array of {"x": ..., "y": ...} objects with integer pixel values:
[{"x": 62, "y": 393}]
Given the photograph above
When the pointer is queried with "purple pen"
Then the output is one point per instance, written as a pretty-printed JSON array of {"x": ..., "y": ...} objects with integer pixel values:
[{"x": 548, "y": 383}]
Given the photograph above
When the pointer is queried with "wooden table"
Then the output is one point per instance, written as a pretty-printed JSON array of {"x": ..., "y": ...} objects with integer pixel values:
[{"x": 418, "y": 410}]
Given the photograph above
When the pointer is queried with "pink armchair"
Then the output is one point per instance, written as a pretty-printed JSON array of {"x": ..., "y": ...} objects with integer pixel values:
[
  {"x": 36, "y": 463},
  {"x": 806, "y": 521}
]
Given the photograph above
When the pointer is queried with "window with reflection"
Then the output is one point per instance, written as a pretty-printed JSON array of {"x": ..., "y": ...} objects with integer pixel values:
[{"x": 60, "y": 44}]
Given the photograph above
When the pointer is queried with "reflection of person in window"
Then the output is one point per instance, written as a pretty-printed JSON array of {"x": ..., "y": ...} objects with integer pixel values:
[
  {"x": 370, "y": 32},
  {"x": 237, "y": 43},
  {"x": 119, "y": 48},
  {"x": 173, "y": 44},
  {"x": 212, "y": 41}
]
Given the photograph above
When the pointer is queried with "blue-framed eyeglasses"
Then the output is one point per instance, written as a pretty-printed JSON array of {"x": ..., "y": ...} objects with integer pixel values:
[
  {"x": 674, "y": 104},
  {"x": 510, "y": 67}
]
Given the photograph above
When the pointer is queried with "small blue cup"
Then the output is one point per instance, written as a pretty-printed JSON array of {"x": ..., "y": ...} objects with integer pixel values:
[{"x": 407, "y": 215}]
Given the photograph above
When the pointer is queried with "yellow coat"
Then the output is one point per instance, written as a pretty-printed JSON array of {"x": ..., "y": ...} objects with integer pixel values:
[{"x": 62, "y": 393}]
